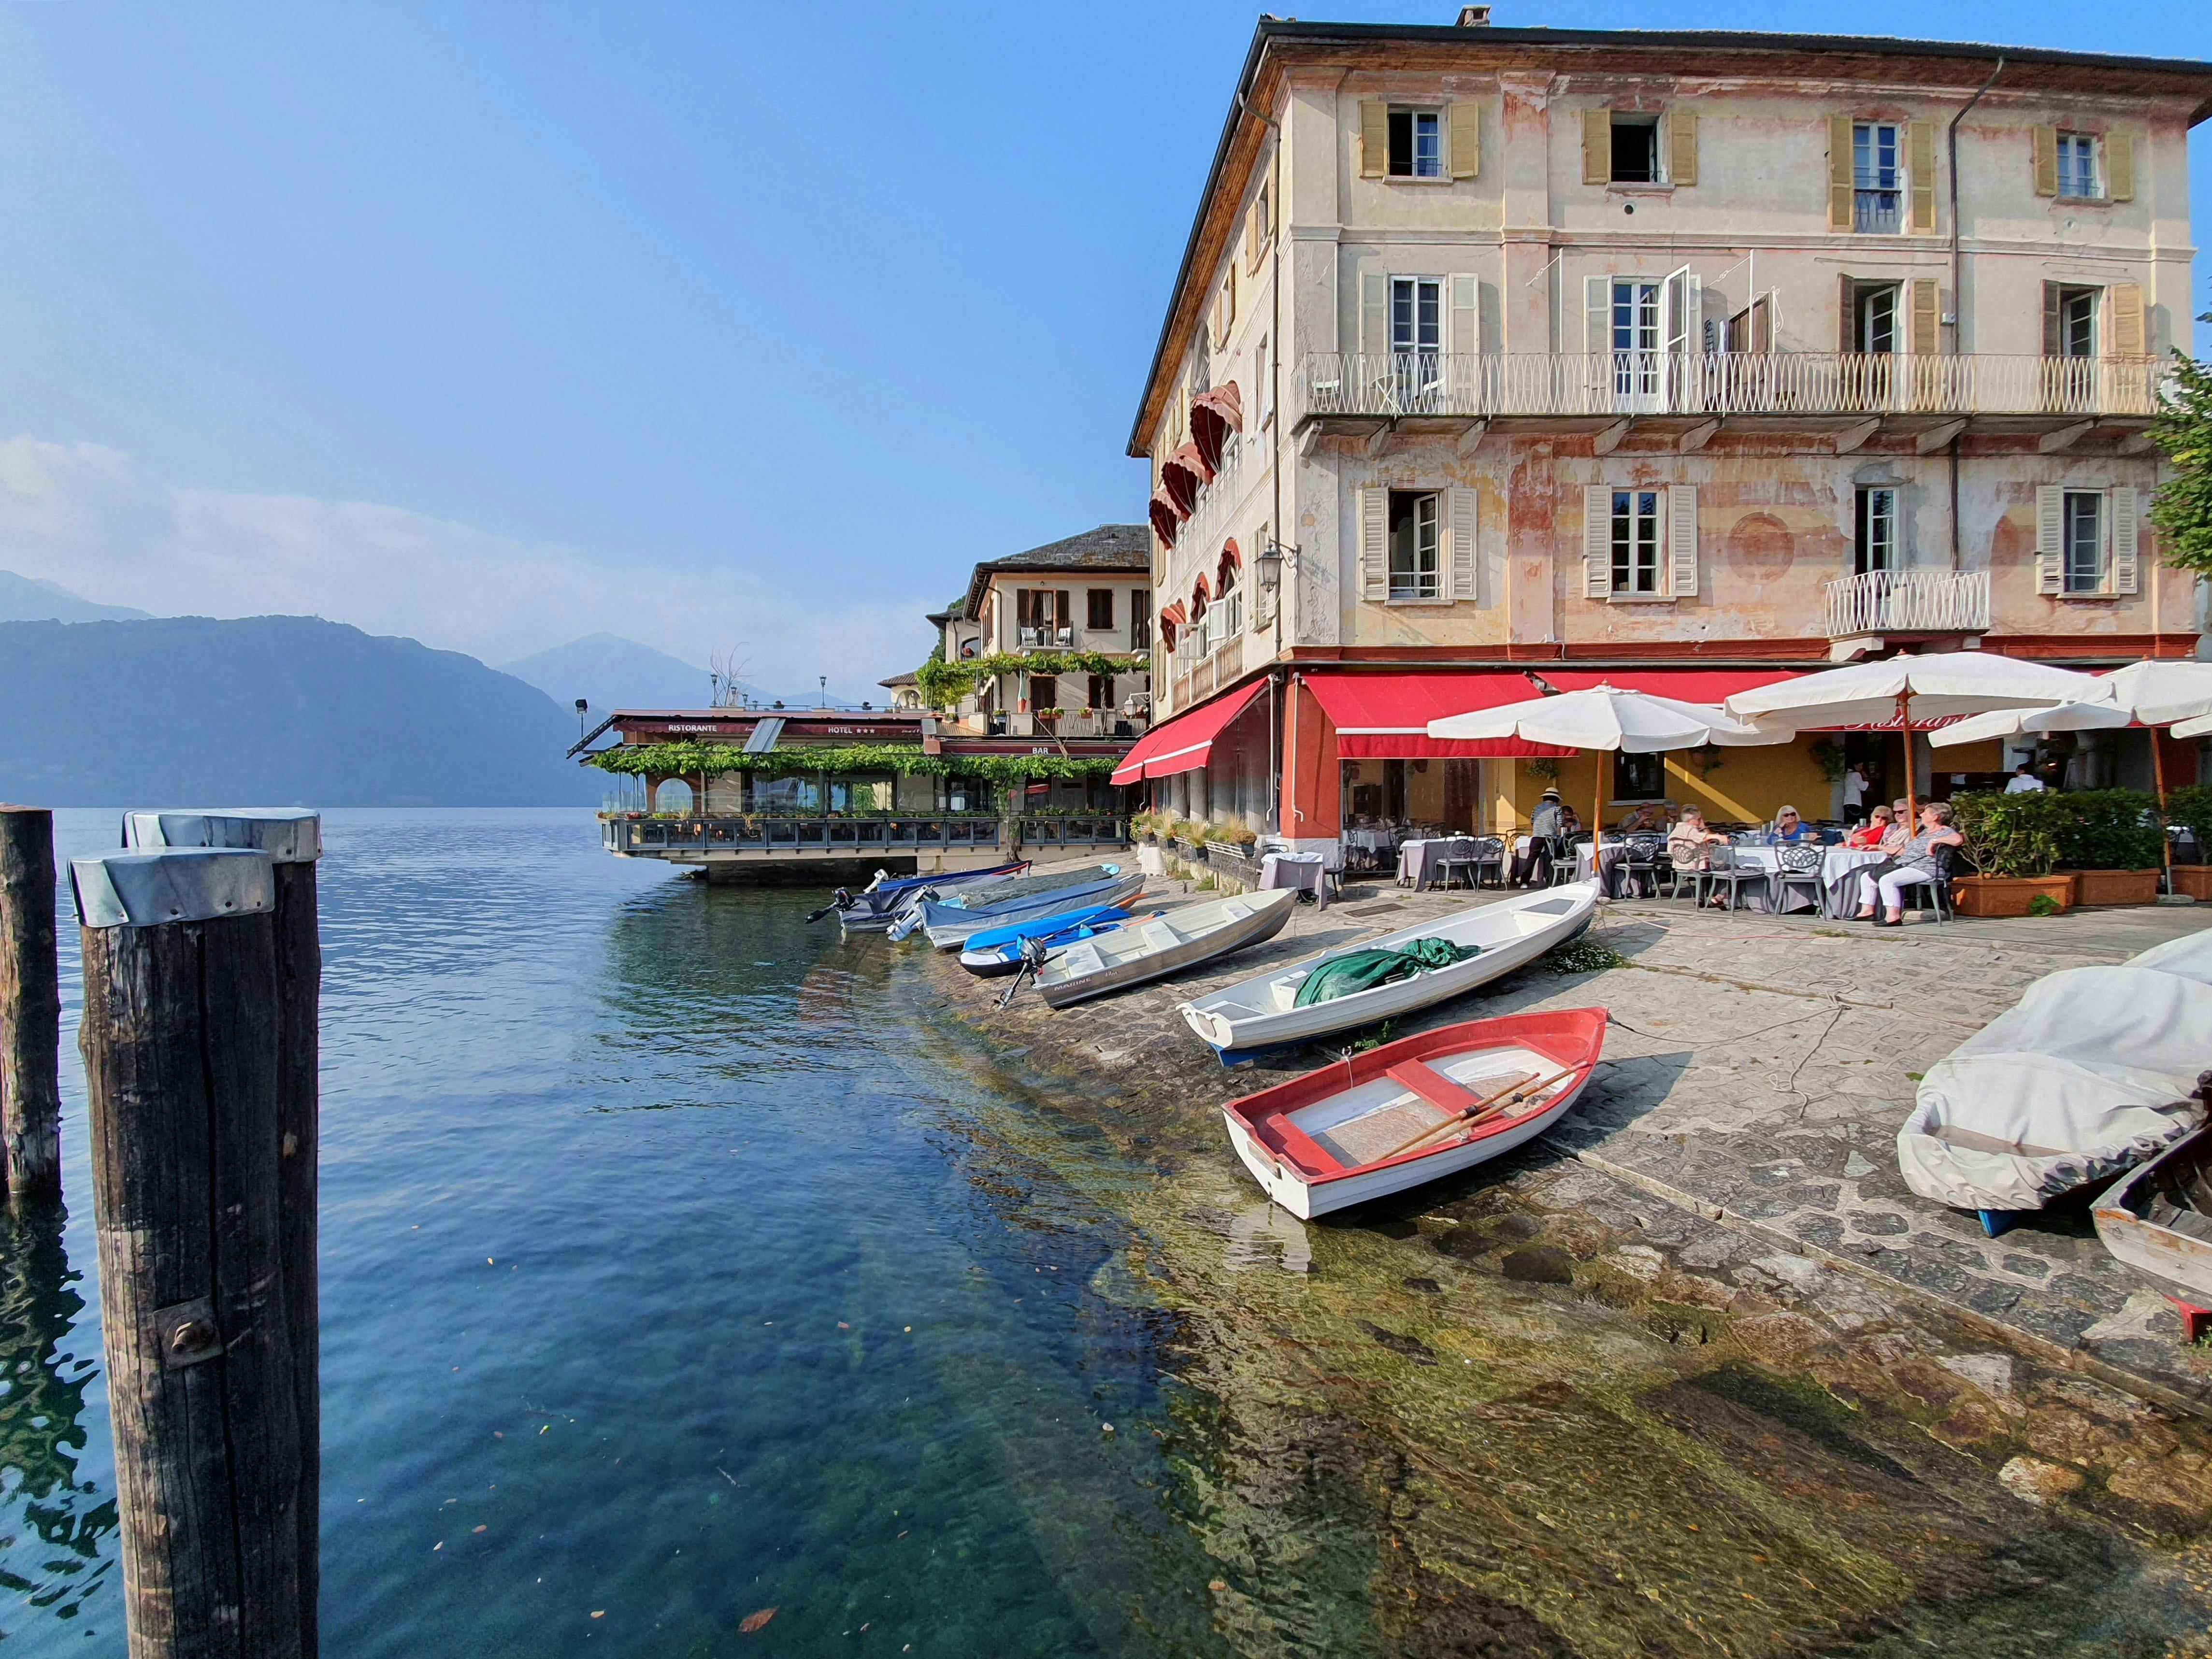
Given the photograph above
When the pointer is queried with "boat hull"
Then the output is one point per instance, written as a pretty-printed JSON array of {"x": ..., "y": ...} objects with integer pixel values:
[
  {"x": 1513, "y": 934},
  {"x": 1272, "y": 911},
  {"x": 949, "y": 927},
  {"x": 1300, "y": 1173},
  {"x": 2179, "y": 1265}
]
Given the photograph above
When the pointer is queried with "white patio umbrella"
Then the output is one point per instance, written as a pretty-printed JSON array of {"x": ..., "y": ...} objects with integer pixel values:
[
  {"x": 2161, "y": 692},
  {"x": 1604, "y": 717},
  {"x": 2019, "y": 722},
  {"x": 1911, "y": 691},
  {"x": 2199, "y": 728}
]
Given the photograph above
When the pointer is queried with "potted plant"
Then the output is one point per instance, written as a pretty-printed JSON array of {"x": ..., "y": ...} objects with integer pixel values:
[
  {"x": 2012, "y": 841},
  {"x": 2112, "y": 839},
  {"x": 2191, "y": 805}
]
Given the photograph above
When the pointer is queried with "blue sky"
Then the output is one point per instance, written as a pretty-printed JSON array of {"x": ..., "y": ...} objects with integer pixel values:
[{"x": 740, "y": 330}]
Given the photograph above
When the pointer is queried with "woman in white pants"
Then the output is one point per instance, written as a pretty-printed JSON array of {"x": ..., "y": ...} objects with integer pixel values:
[{"x": 1915, "y": 863}]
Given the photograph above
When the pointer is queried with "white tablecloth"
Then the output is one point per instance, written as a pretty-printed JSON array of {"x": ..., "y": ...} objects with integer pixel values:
[
  {"x": 1308, "y": 871},
  {"x": 1421, "y": 862}
]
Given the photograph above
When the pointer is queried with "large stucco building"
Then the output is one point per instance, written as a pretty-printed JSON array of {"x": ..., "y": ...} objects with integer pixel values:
[{"x": 1682, "y": 360}]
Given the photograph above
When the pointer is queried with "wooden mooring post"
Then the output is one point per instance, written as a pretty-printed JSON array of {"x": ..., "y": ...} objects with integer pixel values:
[
  {"x": 30, "y": 1006},
  {"x": 293, "y": 839},
  {"x": 184, "y": 1044}
]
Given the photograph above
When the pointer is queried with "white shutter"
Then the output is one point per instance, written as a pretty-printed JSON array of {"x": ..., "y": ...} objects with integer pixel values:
[
  {"x": 1462, "y": 544},
  {"x": 1465, "y": 338},
  {"x": 1375, "y": 313},
  {"x": 2124, "y": 539},
  {"x": 1682, "y": 540},
  {"x": 1597, "y": 314},
  {"x": 1679, "y": 324},
  {"x": 1374, "y": 544},
  {"x": 2050, "y": 539},
  {"x": 1597, "y": 542}
]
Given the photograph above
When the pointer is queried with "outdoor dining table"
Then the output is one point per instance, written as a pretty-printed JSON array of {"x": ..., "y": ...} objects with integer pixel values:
[
  {"x": 1836, "y": 862},
  {"x": 1308, "y": 871},
  {"x": 1420, "y": 861}
]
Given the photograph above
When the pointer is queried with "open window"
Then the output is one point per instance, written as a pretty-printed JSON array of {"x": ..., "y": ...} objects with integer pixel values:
[
  {"x": 1417, "y": 143},
  {"x": 1633, "y": 149},
  {"x": 1874, "y": 532},
  {"x": 1415, "y": 535}
]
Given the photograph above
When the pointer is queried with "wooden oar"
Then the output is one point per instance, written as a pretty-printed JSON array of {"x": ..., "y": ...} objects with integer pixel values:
[{"x": 1467, "y": 1117}]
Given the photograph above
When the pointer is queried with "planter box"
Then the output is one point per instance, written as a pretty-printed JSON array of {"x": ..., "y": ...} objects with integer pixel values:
[
  {"x": 2116, "y": 887},
  {"x": 2193, "y": 880},
  {"x": 2007, "y": 896}
]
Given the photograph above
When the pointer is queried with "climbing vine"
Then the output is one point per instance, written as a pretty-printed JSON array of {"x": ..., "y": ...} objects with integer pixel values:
[{"x": 944, "y": 684}]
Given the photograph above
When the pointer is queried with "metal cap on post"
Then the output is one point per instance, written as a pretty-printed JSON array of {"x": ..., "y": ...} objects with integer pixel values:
[
  {"x": 142, "y": 889},
  {"x": 289, "y": 835}
]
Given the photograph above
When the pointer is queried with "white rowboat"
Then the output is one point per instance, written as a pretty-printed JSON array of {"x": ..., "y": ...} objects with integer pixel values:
[
  {"x": 1261, "y": 1012},
  {"x": 1160, "y": 945}
]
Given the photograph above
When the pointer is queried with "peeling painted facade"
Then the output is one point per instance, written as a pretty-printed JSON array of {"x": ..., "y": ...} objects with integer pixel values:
[{"x": 1860, "y": 355}]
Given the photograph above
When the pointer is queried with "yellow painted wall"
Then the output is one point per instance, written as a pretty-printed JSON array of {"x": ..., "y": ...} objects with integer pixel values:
[{"x": 1747, "y": 786}]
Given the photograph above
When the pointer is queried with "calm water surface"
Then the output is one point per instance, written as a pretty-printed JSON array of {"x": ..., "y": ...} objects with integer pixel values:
[
  {"x": 655, "y": 1294},
  {"x": 678, "y": 1265}
]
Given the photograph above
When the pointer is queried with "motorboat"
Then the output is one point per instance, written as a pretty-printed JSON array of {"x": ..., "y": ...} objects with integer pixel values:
[
  {"x": 871, "y": 910},
  {"x": 999, "y": 950},
  {"x": 2091, "y": 1072},
  {"x": 1414, "y": 1110},
  {"x": 951, "y": 922},
  {"x": 1162, "y": 944},
  {"x": 1264, "y": 1011}
]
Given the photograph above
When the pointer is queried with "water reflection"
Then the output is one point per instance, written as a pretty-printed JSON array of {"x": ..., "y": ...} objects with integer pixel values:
[{"x": 54, "y": 1526}]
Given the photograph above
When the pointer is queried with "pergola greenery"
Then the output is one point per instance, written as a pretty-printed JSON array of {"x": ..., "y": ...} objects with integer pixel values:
[
  {"x": 690, "y": 759},
  {"x": 943, "y": 683}
]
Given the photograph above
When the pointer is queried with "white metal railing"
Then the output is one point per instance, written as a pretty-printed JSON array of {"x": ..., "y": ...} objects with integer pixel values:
[
  {"x": 1907, "y": 602},
  {"x": 1033, "y": 639},
  {"x": 1198, "y": 544},
  {"x": 1724, "y": 382}
]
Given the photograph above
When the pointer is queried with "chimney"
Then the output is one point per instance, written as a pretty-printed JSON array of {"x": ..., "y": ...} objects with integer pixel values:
[{"x": 1474, "y": 17}]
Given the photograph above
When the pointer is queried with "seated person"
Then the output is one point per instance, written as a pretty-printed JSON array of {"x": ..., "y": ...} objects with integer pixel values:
[
  {"x": 1790, "y": 829},
  {"x": 1915, "y": 862},
  {"x": 1867, "y": 838},
  {"x": 1642, "y": 820},
  {"x": 1569, "y": 823},
  {"x": 1900, "y": 826},
  {"x": 1688, "y": 842}
]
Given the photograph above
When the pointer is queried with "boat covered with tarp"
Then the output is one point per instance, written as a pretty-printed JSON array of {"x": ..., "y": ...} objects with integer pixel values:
[
  {"x": 1379, "y": 979},
  {"x": 2092, "y": 1071}
]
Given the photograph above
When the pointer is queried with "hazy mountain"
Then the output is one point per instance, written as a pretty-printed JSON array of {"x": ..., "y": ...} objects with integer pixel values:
[
  {"x": 611, "y": 672},
  {"x": 26, "y": 599},
  {"x": 270, "y": 711}
]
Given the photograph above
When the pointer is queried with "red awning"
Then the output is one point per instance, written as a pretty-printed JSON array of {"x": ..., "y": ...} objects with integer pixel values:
[
  {"x": 1167, "y": 523},
  {"x": 1386, "y": 716},
  {"x": 1216, "y": 416},
  {"x": 1185, "y": 743},
  {"x": 1182, "y": 475}
]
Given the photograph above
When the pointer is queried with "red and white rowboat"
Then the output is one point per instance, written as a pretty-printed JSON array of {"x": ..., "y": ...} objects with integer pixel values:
[{"x": 1414, "y": 1110}]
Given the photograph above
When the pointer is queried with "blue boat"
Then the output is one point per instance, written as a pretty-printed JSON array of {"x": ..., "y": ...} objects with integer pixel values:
[
  {"x": 952, "y": 922},
  {"x": 998, "y": 950}
]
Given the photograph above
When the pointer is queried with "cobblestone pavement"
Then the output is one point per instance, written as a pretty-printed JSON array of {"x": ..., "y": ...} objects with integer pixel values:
[{"x": 1758, "y": 1073}]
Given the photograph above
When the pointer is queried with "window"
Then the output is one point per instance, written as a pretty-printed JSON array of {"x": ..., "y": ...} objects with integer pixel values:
[
  {"x": 1635, "y": 339},
  {"x": 1102, "y": 608},
  {"x": 1876, "y": 176},
  {"x": 1044, "y": 691},
  {"x": 1140, "y": 620},
  {"x": 1874, "y": 538},
  {"x": 1102, "y": 691},
  {"x": 1413, "y": 571},
  {"x": 1042, "y": 617},
  {"x": 1635, "y": 150},
  {"x": 2083, "y": 529},
  {"x": 1639, "y": 777},
  {"x": 2077, "y": 166},
  {"x": 2073, "y": 331},
  {"x": 1416, "y": 314},
  {"x": 1635, "y": 541},
  {"x": 1873, "y": 322},
  {"x": 1263, "y": 385},
  {"x": 1417, "y": 147}
]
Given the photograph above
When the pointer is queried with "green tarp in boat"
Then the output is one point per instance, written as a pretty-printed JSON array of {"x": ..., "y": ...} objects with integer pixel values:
[{"x": 1363, "y": 970}]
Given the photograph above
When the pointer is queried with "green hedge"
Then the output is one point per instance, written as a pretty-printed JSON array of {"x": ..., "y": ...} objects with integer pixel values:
[
  {"x": 943, "y": 683},
  {"x": 2030, "y": 835},
  {"x": 2191, "y": 805}
]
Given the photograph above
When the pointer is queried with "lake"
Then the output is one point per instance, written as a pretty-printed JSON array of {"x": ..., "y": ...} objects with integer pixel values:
[{"x": 679, "y": 1268}]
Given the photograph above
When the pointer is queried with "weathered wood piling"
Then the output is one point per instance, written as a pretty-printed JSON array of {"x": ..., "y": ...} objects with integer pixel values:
[
  {"x": 201, "y": 971},
  {"x": 30, "y": 1006}
]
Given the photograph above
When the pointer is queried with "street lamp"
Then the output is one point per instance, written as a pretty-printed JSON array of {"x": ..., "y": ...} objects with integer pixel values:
[{"x": 1271, "y": 559}]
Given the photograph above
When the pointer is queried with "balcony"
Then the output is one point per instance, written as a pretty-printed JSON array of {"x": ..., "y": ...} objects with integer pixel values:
[
  {"x": 1061, "y": 638},
  {"x": 1907, "y": 602},
  {"x": 1782, "y": 383},
  {"x": 1210, "y": 653}
]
